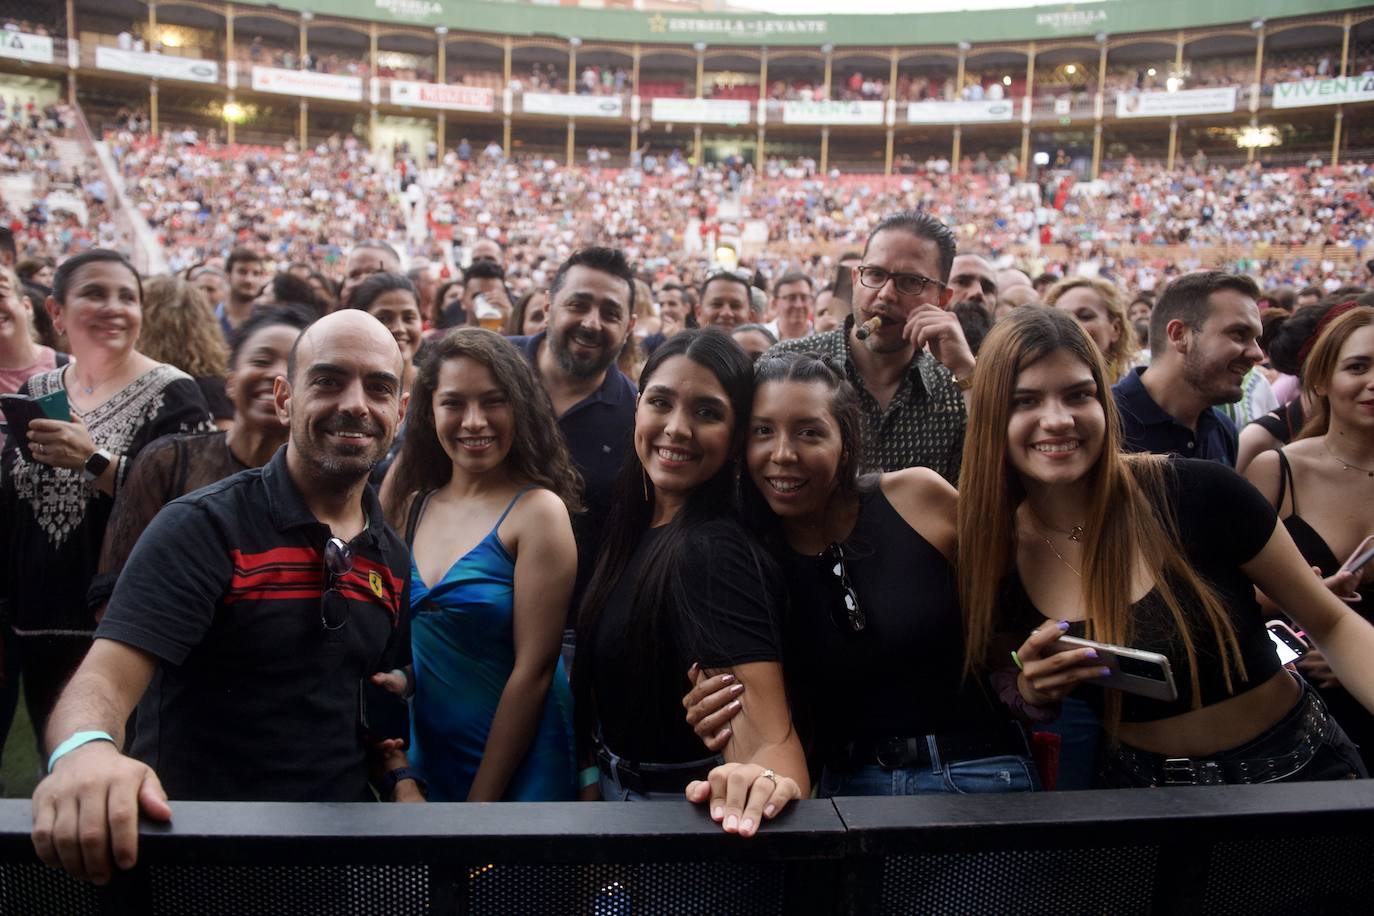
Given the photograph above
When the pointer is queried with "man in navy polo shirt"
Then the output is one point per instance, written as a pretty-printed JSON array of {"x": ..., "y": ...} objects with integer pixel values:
[
  {"x": 246, "y": 620},
  {"x": 591, "y": 315},
  {"x": 1204, "y": 334}
]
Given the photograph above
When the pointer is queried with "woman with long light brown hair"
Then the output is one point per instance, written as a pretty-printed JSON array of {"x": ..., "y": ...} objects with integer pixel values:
[
  {"x": 1156, "y": 553},
  {"x": 180, "y": 329},
  {"x": 1331, "y": 464}
]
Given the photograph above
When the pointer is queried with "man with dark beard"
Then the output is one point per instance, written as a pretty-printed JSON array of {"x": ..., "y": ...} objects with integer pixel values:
[
  {"x": 1204, "y": 338},
  {"x": 590, "y": 318},
  {"x": 245, "y": 619}
]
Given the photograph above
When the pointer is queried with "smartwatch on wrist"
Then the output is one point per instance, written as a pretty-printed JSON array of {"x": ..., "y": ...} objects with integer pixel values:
[
  {"x": 96, "y": 465},
  {"x": 391, "y": 777}
]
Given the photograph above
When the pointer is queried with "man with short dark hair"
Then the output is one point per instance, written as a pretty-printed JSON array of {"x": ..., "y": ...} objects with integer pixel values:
[
  {"x": 674, "y": 314},
  {"x": 368, "y": 257},
  {"x": 591, "y": 315},
  {"x": 1204, "y": 335},
  {"x": 246, "y": 619},
  {"x": 912, "y": 369},
  {"x": 1308, "y": 295},
  {"x": 793, "y": 299},
  {"x": 247, "y": 273}
]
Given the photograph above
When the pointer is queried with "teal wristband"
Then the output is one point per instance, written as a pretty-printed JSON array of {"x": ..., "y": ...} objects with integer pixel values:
[
  {"x": 588, "y": 777},
  {"x": 74, "y": 742}
]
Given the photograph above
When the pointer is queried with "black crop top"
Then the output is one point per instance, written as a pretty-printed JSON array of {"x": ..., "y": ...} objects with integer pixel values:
[
  {"x": 902, "y": 675},
  {"x": 1224, "y": 522}
]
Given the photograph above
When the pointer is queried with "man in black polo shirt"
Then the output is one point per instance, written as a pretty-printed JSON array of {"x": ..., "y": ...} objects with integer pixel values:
[
  {"x": 242, "y": 625},
  {"x": 590, "y": 318},
  {"x": 1204, "y": 334}
]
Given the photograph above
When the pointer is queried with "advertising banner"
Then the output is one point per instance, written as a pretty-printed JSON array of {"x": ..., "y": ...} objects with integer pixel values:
[
  {"x": 309, "y": 84},
  {"x": 162, "y": 66},
  {"x": 579, "y": 106},
  {"x": 1324, "y": 92},
  {"x": 700, "y": 111},
  {"x": 23, "y": 46},
  {"x": 1183, "y": 102},
  {"x": 832, "y": 112},
  {"x": 960, "y": 112},
  {"x": 437, "y": 95}
]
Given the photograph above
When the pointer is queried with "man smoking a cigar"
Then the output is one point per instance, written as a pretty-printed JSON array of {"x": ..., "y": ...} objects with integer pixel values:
[{"x": 911, "y": 370}]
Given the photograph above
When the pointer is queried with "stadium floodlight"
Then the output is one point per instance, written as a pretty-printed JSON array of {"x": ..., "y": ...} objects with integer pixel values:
[
  {"x": 169, "y": 38},
  {"x": 1041, "y": 158},
  {"x": 1173, "y": 84},
  {"x": 1071, "y": 69},
  {"x": 234, "y": 113},
  {"x": 1006, "y": 81},
  {"x": 1152, "y": 72},
  {"x": 1256, "y": 137}
]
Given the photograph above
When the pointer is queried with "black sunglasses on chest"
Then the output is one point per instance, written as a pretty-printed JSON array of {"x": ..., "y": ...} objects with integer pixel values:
[
  {"x": 338, "y": 562},
  {"x": 852, "y": 617}
]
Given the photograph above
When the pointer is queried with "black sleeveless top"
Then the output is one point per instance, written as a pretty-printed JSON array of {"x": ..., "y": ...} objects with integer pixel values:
[
  {"x": 902, "y": 675},
  {"x": 1349, "y": 712},
  {"x": 1283, "y": 424}
]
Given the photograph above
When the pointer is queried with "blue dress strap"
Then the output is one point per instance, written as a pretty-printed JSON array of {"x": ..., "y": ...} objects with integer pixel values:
[{"x": 511, "y": 505}]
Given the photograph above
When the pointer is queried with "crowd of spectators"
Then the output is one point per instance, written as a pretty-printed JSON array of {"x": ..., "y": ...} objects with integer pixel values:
[{"x": 202, "y": 199}]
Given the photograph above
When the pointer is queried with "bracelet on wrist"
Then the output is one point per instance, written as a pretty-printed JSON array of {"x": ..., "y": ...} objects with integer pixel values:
[{"x": 75, "y": 741}]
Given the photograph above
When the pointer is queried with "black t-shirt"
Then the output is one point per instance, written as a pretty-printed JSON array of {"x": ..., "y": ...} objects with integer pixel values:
[
  {"x": 254, "y": 699},
  {"x": 1224, "y": 522},
  {"x": 731, "y": 623},
  {"x": 903, "y": 673}
]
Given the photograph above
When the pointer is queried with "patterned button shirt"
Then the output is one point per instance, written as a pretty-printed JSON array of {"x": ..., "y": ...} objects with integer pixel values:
[{"x": 923, "y": 425}]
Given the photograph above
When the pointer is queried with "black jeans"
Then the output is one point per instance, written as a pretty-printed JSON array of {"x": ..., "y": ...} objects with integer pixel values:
[{"x": 1335, "y": 756}]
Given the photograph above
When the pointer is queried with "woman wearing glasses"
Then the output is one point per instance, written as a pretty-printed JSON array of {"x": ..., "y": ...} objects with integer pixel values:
[
  {"x": 680, "y": 580},
  {"x": 483, "y": 489},
  {"x": 874, "y": 606}
]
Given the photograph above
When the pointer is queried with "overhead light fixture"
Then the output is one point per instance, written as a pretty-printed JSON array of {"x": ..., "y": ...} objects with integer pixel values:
[
  {"x": 234, "y": 113},
  {"x": 1152, "y": 72},
  {"x": 1071, "y": 69},
  {"x": 169, "y": 38},
  {"x": 1173, "y": 84},
  {"x": 1006, "y": 81},
  {"x": 1255, "y": 137}
]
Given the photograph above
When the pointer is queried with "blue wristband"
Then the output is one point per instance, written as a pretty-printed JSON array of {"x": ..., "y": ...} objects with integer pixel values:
[
  {"x": 588, "y": 777},
  {"x": 74, "y": 742}
]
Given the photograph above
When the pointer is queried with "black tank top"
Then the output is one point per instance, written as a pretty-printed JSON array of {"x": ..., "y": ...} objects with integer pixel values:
[{"x": 902, "y": 675}]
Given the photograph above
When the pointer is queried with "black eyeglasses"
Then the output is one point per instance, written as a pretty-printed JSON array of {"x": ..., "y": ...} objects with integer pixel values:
[
  {"x": 338, "y": 562},
  {"x": 907, "y": 284},
  {"x": 853, "y": 617}
]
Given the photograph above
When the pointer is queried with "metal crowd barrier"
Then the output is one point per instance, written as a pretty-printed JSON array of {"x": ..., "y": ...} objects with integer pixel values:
[{"x": 1242, "y": 849}]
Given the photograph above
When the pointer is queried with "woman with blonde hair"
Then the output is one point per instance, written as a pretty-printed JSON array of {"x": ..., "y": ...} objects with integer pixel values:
[
  {"x": 1098, "y": 306},
  {"x": 180, "y": 329},
  {"x": 1331, "y": 463},
  {"x": 1158, "y": 553}
]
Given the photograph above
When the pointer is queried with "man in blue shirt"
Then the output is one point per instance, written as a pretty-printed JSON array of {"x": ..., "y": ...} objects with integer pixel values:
[
  {"x": 591, "y": 315},
  {"x": 1204, "y": 335}
]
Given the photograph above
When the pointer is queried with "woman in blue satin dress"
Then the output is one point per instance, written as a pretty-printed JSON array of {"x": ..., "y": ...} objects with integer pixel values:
[{"x": 483, "y": 489}]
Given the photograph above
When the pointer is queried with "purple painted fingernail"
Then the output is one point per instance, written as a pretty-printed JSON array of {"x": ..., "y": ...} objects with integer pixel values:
[
  {"x": 1090, "y": 653},
  {"x": 1063, "y": 625},
  {"x": 1106, "y": 672}
]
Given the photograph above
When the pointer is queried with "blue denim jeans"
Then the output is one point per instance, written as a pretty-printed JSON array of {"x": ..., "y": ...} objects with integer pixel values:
[{"x": 961, "y": 777}]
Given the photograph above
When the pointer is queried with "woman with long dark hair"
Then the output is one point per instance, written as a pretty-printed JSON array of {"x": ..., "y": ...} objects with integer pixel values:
[
  {"x": 482, "y": 490},
  {"x": 1152, "y": 552},
  {"x": 679, "y": 581}
]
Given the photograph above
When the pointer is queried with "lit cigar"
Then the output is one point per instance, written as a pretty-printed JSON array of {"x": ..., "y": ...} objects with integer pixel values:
[{"x": 868, "y": 327}]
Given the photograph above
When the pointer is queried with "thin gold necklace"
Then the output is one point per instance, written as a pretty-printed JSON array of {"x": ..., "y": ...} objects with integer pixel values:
[
  {"x": 1343, "y": 463},
  {"x": 1073, "y": 534}
]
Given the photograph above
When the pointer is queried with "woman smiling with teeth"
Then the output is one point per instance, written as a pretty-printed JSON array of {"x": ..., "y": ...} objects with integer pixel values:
[
  {"x": 680, "y": 580},
  {"x": 482, "y": 490},
  {"x": 873, "y": 604}
]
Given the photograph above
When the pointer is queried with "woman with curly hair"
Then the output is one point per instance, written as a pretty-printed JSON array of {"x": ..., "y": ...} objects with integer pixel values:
[
  {"x": 180, "y": 329},
  {"x": 1098, "y": 306},
  {"x": 483, "y": 490}
]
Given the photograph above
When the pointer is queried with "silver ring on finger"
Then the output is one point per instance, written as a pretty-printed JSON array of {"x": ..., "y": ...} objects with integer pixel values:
[
  {"x": 769, "y": 774},
  {"x": 39, "y": 448}
]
